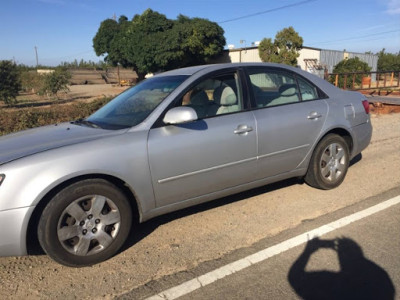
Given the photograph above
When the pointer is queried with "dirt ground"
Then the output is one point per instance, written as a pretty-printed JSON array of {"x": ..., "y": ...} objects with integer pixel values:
[
  {"x": 90, "y": 91},
  {"x": 182, "y": 240},
  {"x": 76, "y": 93}
]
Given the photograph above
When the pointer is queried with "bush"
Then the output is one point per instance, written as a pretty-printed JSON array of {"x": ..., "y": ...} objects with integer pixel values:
[
  {"x": 349, "y": 66},
  {"x": 9, "y": 82},
  {"x": 388, "y": 61},
  {"x": 31, "y": 81},
  {"x": 21, "y": 119},
  {"x": 56, "y": 81}
]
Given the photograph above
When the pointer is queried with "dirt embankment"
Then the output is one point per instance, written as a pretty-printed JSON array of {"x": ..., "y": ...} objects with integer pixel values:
[{"x": 76, "y": 93}]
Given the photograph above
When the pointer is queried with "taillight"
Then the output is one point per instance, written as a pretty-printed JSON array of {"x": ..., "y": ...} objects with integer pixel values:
[{"x": 366, "y": 106}]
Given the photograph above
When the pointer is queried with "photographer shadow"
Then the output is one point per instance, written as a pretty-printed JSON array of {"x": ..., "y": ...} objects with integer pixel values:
[{"x": 358, "y": 278}]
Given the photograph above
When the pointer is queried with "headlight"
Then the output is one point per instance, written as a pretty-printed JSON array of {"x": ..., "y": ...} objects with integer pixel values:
[{"x": 2, "y": 176}]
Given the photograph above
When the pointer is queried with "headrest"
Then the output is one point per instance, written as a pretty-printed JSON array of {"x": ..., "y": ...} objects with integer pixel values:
[
  {"x": 228, "y": 97},
  {"x": 200, "y": 98},
  {"x": 217, "y": 94},
  {"x": 288, "y": 90}
]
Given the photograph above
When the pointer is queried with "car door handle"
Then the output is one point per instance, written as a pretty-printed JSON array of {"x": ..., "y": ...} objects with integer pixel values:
[
  {"x": 243, "y": 129},
  {"x": 314, "y": 115}
]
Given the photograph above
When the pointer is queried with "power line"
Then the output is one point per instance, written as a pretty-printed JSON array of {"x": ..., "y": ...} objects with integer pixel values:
[
  {"x": 267, "y": 11},
  {"x": 357, "y": 37}
]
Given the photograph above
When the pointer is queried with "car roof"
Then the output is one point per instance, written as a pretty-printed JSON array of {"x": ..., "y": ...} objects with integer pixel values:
[
  {"x": 204, "y": 69},
  {"x": 214, "y": 67}
]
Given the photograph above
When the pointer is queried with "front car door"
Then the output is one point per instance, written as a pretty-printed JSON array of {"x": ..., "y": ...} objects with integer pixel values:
[{"x": 216, "y": 152}]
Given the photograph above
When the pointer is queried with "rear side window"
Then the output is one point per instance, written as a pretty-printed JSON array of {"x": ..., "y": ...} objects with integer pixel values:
[
  {"x": 271, "y": 88},
  {"x": 307, "y": 90}
]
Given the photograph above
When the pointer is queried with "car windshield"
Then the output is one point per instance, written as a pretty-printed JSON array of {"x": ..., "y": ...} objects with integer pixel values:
[{"x": 134, "y": 105}]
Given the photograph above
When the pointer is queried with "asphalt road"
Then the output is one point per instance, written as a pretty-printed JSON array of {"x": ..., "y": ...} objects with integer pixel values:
[
  {"x": 170, "y": 250},
  {"x": 357, "y": 261}
]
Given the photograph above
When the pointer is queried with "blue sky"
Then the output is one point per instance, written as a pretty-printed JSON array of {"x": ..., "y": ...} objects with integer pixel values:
[{"x": 63, "y": 30}]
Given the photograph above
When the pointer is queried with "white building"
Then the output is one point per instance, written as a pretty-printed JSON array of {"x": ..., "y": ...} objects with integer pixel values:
[{"x": 313, "y": 60}]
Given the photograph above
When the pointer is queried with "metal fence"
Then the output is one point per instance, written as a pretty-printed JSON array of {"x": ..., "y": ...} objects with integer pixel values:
[{"x": 365, "y": 80}]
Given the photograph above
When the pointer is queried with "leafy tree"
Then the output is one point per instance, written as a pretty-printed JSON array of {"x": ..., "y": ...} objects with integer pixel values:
[
  {"x": 56, "y": 81},
  {"x": 388, "y": 61},
  {"x": 151, "y": 42},
  {"x": 9, "y": 82},
  {"x": 103, "y": 39},
  {"x": 284, "y": 49},
  {"x": 348, "y": 66},
  {"x": 268, "y": 51},
  {"x": 201, "y": 39}
]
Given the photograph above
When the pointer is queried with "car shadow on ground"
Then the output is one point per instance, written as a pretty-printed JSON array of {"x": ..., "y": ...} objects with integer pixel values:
[
  {"x": 141, "y": 231},
  {"x": 358, "y": 277}
]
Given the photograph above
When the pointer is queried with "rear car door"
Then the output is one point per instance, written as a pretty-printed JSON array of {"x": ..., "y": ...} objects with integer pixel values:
[{"x": 290, "y": 114}]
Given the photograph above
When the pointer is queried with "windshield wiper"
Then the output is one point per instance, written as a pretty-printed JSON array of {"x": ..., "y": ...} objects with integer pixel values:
[{"x": 85, "y": 122}]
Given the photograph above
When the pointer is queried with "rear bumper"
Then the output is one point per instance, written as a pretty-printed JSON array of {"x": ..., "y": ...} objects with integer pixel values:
[
  {"x": 362, "y": 137},
  {"x": 13, "y": 224}
]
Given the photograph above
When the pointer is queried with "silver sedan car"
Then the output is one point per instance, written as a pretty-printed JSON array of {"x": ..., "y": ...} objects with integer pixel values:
[{"x": 175, "y": 140}]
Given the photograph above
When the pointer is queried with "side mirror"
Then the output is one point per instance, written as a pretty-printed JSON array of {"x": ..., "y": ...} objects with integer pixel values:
[{"x": 181, "y": 114}]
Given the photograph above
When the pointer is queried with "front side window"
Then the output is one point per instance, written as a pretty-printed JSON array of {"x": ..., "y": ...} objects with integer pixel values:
[
  {"x": 134, "y": 105},
  {"x": 215, "y": 96},
  {"x": 271, "y": 88}
]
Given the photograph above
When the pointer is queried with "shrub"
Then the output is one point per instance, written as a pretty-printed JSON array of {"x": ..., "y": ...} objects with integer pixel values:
[
  {"x": 388, "y": 61},
  {"x": 56, "y": 81},
  {"x": 9, "y": 82},
  {"x": 349, "y": 66},
  {"x": 31, "y": 81},
  {"x": 11, "y": 121}
]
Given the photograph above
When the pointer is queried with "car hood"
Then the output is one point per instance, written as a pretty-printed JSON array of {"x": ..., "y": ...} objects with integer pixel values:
[{"x": 32, "y": 141}]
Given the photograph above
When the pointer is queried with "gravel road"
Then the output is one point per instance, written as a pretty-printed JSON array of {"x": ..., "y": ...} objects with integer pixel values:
[{"x": 182, "y": 240}]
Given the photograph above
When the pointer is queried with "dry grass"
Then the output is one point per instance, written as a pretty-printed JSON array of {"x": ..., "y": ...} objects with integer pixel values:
[{"x": 32, "y": 110}]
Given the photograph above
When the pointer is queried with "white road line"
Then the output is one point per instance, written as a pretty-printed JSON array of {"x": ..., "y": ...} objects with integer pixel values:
[{"x": 229, "y": 269}]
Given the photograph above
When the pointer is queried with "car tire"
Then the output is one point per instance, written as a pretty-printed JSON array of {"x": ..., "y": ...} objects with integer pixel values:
[
  {"x": 85, "y": 223},
  {"x": 329, "y": 163}
]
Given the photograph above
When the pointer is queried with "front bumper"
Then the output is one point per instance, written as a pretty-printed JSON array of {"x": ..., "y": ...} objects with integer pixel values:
[{"x": 14, "y": 224}]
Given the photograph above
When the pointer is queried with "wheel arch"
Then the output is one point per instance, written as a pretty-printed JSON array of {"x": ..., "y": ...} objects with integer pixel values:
[
  {"x": 345, "y": 134},
  {"x": 32, "y": 242}
]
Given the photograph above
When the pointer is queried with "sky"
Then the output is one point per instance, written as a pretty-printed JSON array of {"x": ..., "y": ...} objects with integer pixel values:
[{"x": 62, "y": 30}]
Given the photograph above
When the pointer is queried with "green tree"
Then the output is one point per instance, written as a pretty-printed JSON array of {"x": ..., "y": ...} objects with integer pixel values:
[
  {"x": 388, "y": 61},
  {"x": 103, "y": 40},
  {"x": 349, "y": 66},
  {"x": 284, "y": 49},
  {"x": 56, "y": 81},
  {"x": 151, "y": 42},
  {"x": 9, "y": 82},
  {"x": 201, "y": 39}
]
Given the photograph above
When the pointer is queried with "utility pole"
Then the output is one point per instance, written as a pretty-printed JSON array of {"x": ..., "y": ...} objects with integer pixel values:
[{"x": 37, "y": 59}]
